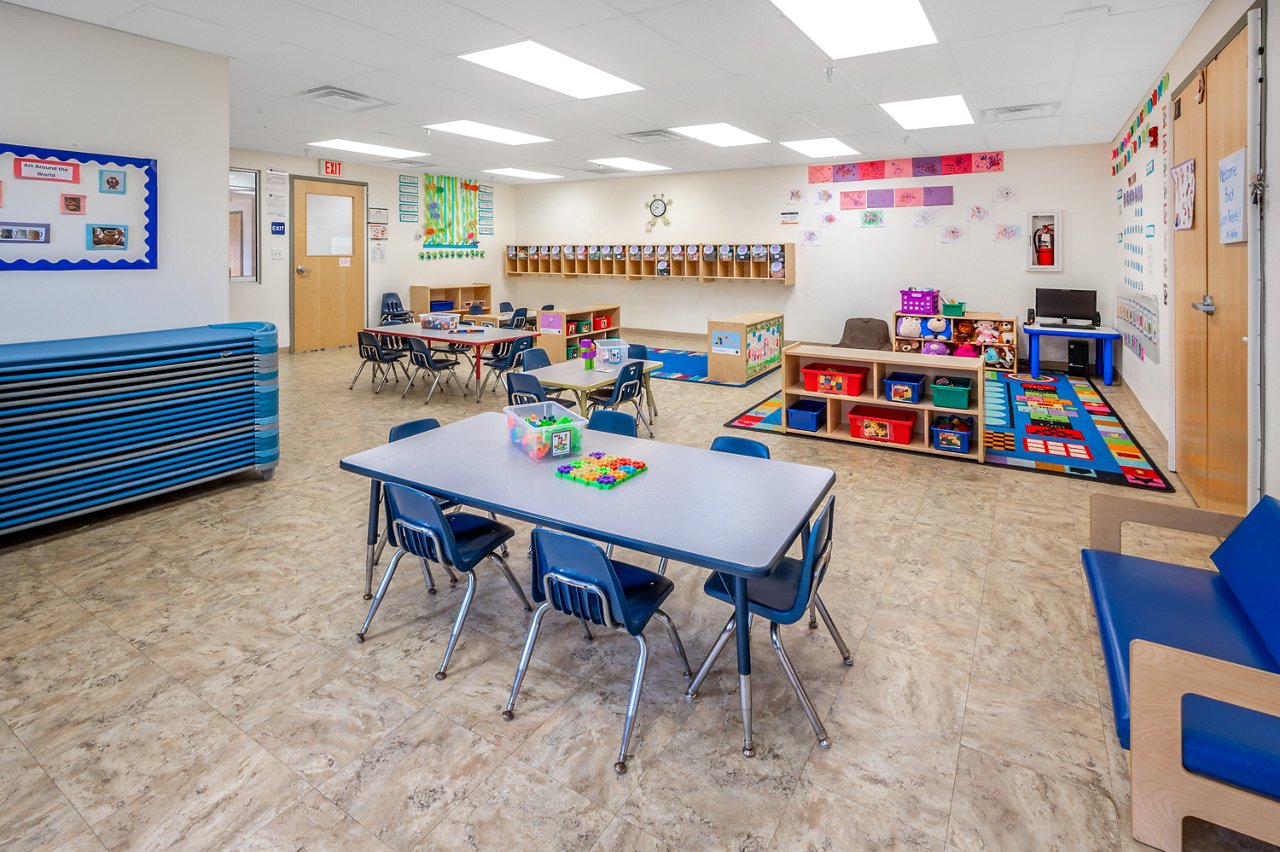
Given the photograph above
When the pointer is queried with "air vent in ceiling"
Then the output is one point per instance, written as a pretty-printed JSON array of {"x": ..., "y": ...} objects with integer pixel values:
[
  {"x": 602, "y": 170},
  {"x": 408, "y": 164},
  {"x": 344, "y": 99},
  {"x": 1018, "y": 113},
  {"x": 648, "y": 137}
]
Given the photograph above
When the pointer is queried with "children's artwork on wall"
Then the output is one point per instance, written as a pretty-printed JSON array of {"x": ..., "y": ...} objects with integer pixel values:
[
  {"x": 829, "y": 219},
  {"x": 823, "y": 197},
  {"x": 1135, "y": 138},
  {"x": 955, "y": 234},
  {"x": 872, "y": 219},
  {"x": 914, "y": 196},
  {"x": 854, "y": 200},
  {"x": 811, "y": 238},
  {"x": 1007, "y": 232},
  {"x": 795, "y": 196},
  {"x": 1184, "y": 195},
  {"x": 452, "y": 212},
  {"x": 924, "y": 218},
  {"x": 948, "y": 164},
  {"x": 1006, "y": 193},
  {"x": 939, "y": 196},
  {"x": 48, "y": 184},
  {"x": 911, "y": 196},
  {"x": 978, "y": 213},
  {"x": 764, "y": 346},
  {"x": 820, "y": 174}
]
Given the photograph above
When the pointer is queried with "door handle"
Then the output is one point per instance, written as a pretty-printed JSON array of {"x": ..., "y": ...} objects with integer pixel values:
[
  {"x": 1206, "y": 305},
  {"x": 301, "y": 270}
]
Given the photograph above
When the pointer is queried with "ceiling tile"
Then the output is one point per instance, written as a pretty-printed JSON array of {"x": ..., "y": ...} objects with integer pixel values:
[
  {"x": 953, "y": 21},
  {"x": 740, "y": 36},
  {"x": 629, "y": 49},
  {"x": 1113, "y": 92},
  {"x": 483, "y": 83},
  {"x": 861, "y": 119},
  {"x": 950, "y": 140},
  {"x": 93, "y": 11},
  {"x": 544, "y": 16},
  {"x": 1110, "y": 43},
  {"x": 918, "y": 72},
  {"x": 1018, "y": 96},
  {"x": 442, "y": 26},
  {"x": 1022, "y": 134},
  {"x": 802, "y": 88},
  {"x": 1043, "y": 55}
]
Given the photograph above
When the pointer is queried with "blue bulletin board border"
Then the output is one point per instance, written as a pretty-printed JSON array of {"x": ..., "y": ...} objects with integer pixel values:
[{"x": 148, "y": 261}]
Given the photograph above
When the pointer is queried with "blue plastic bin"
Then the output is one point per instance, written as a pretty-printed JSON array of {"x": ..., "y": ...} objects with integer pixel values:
[
  {"x": 952, "y": 440},
  {"x": 903, "y": 387},
  {"x": 806, "y": 414},
  {"x": 438, "y": 305}
]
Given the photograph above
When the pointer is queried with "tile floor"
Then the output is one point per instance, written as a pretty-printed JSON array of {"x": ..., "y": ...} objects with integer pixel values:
[{"x": 184, "y": 673}]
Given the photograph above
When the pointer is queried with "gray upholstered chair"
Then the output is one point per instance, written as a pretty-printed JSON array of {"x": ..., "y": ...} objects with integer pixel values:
[{"x": 865, "y": 333}]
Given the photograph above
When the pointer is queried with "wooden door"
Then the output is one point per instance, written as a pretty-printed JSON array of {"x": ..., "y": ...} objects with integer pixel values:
[{"x": 328, "y": 292}]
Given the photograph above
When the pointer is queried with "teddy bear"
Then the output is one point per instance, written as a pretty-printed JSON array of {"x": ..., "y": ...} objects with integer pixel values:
[
  {"x": 908, "y": 345},
  {"x": 937, "y": 328},
  {"x": 935, "y": 347},
  {"x": 986, "y": 332},
  {"x": 909, "y": 327}
]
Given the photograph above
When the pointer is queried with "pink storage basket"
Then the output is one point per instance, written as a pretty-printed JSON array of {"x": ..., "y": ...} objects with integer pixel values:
[{"x": 921, "y": 302}]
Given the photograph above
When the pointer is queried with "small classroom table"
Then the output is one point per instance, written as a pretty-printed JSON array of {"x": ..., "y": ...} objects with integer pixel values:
[
  {"x": 570, "y": 375},
  {"x": 1103, "y": 345},
  {"x": 748, "y": 510},
  {"x": 478, "y": 340}
]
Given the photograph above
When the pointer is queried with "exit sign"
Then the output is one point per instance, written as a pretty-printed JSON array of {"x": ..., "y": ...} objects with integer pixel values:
[{"x": 331, "y": 168}]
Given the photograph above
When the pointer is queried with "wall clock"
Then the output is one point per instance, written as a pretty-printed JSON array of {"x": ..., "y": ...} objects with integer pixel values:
[{"x": 658, "y": 208}]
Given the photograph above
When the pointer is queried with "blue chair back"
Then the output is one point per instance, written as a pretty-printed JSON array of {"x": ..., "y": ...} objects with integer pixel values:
[
  {"x": 523, "y": 388},
  {"x": 817, "y": 556},
  {"x": 740, "y": 446},
  {"x": 628, "y": 384},
  {"x": 616, "y": 422},
  {"x": 1247, "y": 563},
  {"x": 578, "y": 579},
  {"x": 475, "y": 309},
  {"x": 419, "y": 523},
  {"x": 515, "y": 354},
  {"x": 422, "y": 355},
  {"x": 547, "y": 308},
  {"x": 519, "y": 318},
  {"x": 505, "y": 308},
  {"x": 638, "y": 350},
  {"x": 535, "y": 359},
  {"x": 372, "y": 348},
  {"x": 391, "y": 303},
  {"x": 411, "y": 428}
]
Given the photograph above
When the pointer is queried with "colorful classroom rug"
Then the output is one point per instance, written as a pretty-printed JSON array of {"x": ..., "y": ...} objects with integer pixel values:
[
  {"x": 1053, "y": 423},
  {"x": 683, "y": 365}
]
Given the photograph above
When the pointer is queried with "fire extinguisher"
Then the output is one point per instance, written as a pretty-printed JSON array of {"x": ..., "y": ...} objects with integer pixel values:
[{"x": 1042, "y": 242}]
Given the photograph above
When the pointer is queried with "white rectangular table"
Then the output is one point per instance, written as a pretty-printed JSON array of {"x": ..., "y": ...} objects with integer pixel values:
[{"x": 571, "y": 375}]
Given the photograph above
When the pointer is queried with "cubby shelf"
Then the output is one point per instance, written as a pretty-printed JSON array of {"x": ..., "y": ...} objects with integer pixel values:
[
  {"x": 461, "y": 295},
  {"x": 764, "y": 262},
  {"x": 561, "y": 344},
  {"x": 1004, "y": 351}
]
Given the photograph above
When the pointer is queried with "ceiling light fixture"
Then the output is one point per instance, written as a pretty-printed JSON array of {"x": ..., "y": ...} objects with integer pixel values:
[
  {"x": 542, "y": 66},
  {"x": 487, "y": 132},
  {"x": 630, "y": 164},
  {"x": 948, "y": 111},
  {"x": 819, "y": 148},
  {"x": 720, "y": 134},
  {"x": 844, "y": 28},
  {"x": 521, "y": 173},
  {"x": 366, "y": 148}
]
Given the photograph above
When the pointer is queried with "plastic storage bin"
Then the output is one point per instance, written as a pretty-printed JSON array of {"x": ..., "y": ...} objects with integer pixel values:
[
  {"x": 903, "y": 387},
  {"x": 953, "y": 394},
  {"x": 919, "y": 302},
  {"x": 560, "y": 437},
  {"x": 807, "y": 414},
  {"x": 442, "y": 322},
  {"x": 887, "y": 425},
  {"x": 953, "y": 309},
  {"x": 599, "y": 323},
  {"x": 438, "y": 305},
  {"x": 834, "y": 378},
  {"x": 950, "y": 439}
]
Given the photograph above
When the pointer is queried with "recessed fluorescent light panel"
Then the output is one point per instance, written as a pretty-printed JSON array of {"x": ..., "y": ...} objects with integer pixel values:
[
  {"x": 818, "y": 148},
  {"x": 522, "y": 173},
  {"x": 630, "y": 164},
  {"x": 551, "y": 69},
  {"x": 948, "y": 111},
  {"x": 366, "y": 148},
  {"x": 720, "y": 134},
  {"x": 844, "y": 28},
  {"x": 487, "y": 132}
]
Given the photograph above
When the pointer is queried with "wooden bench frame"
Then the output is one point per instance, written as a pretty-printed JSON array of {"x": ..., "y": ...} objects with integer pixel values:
[{"x": 1163, "y": 793}]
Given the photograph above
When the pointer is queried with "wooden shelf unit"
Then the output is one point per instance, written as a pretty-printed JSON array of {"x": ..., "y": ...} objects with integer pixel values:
[
  {"x": 1006, "y": 328},
  {"x": 561, "y": 343},
  {"x": 774, "y": 262},
  {"x": 879, "y": 365},
  {"x": 422, "y": 295}
]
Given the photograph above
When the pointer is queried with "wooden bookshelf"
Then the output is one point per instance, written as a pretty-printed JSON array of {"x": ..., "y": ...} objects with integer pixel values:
[
  {"x": 763, "y": 262},
  {"x": 562, "y": 332},
  {"x": 422, "y": 295},
  {"x": 956, "y": 331}
]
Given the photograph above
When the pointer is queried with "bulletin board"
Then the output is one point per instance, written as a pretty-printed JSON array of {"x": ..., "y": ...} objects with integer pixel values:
[
  {"x": 452, "y": 211},
  {"x": 74, "y": 210}
]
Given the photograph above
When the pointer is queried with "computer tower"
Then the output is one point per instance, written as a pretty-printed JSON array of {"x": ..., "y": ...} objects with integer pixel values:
[{"x": 1078, "y": 357}]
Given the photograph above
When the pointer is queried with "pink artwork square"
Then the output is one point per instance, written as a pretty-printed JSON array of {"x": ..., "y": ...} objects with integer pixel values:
[
  {"x": 957, "y": 164},
  {"x": 900, "y": 168},
  {"x": 820, "y": 174},
  {"x": 912, "y": 196},
  {"x": 855, "y": 200},
  {"x": 871, "y": 170},
  {"x": 989, "y": 161},
  {"x": 844, "y": 172}
]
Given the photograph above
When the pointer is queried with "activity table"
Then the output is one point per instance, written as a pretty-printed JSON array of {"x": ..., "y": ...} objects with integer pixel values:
[{"x": 478, "y": 340}]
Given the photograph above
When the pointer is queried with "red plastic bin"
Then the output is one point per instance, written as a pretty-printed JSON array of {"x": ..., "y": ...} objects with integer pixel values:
[
  {"x": 599, "y": 323},
  {"x": 834, "y": 378},
  {"x": 888, "y": 425}
]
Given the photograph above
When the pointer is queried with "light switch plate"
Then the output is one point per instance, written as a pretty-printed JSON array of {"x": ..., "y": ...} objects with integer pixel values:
[{"x": 277, "y": 254}]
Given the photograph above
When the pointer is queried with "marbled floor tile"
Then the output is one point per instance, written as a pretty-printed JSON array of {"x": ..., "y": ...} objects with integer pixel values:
[
  {"x": 34, "y": 814},
  {"x": 181, "y": 541},
  {"x": 154, "y": 604},
  {"x": 26, "y": 589},
  {"x": 326, "y": 729},
  {"x": 625, "y": 835},
  {"x": 819, "y": 820},
  {"x": 95, "y": 562},
  {"x": 518, "y": 801},
  {"x": 935, "y": 586},
  {"x": 85, "y": 841},
  {"x": 410, "y": 661},
  {"x": 1052, "y": 542},
  {"x": 1065, "y": 579},
  {"x": 14, "y": 757},
  {"x": 924, "y": 634},
  {"x": 313, "y": 823},
  {"x": 921, "y": 693},
  {"x": 219, "y": 641},
  {"x": 76, "y": 660},
  {"x": 1000, "y": 805},
  {"x": 406, "y": 783},
  {"x": 42, "y": 622},
  {"x": 216, "y": 803},
  {"x": 1057, "y": 740}
]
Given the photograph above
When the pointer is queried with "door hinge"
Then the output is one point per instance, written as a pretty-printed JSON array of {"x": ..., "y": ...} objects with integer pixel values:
[{"x": 1258, "y": 189}]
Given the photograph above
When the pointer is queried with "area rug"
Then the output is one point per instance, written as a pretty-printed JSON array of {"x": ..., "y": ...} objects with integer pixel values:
[
  {"x": 683, "y": 365},
  {"x": 1053, "y": 423}
]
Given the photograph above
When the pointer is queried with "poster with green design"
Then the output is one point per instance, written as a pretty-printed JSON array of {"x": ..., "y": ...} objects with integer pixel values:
[{"x": 451, "y": 212}]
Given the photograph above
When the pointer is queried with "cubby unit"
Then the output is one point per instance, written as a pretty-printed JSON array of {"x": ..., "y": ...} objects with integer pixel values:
[
  {"x": 837, "y": 418},
  {"x": 426, "y": 299},
  {"x": 994, "y": 347},
  {"x": 706, "y": 262},
  {"x": 562, "y": 332}
]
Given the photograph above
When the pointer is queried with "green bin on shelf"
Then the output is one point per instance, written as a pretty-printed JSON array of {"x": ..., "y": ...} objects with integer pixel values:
[
  {"x": 953, "y": 309},
  {"x": 953, "y": 394}
]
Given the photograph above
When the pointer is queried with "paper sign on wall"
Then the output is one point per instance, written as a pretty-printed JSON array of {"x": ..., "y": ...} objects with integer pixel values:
[
  {"x": 1231, "y": 192},
  {"x": 1184, "y": 195}
]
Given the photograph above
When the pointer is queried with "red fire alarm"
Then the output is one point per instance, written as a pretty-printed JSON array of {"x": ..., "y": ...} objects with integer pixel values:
[
  {"x": 331, "y": 168},
  {"x": 1154, "y": 134}
]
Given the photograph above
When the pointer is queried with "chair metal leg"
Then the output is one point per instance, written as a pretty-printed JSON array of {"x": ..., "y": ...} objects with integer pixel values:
[
  {"x": 662, "y": 566},
  {"x": 378, "y": 548},
  {"x": 835, "y": 634},
  {"x": 515, "y": 584},
  {"x": 453, "y": 578},
  {"x": 790, "y": 671},
  {"x": 435, "y": 383},
  {"x": 509, "y": 713},
  {"x": 640, "y": 415},
  {"x": 813, "y": 616},
  {"x": 382, "y": 591},
  {"x": 409, "y": 385},
  {"x": 586, "y": 629},
  {"x": 382, "y": 371},
  {"x": 675, "y": 641},
  {"x": 633, "y": 705},
  {"x": 457, "y": 625},
  {"x": 426, "y": 576},
  {"x": 705, "y": 669},
  {"x": 360, "y": 370}
]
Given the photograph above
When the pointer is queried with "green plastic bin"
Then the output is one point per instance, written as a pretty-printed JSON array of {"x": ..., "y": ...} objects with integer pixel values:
[
  {"x": 953, "y": 309},
  {"x": 954, "y": 394}
]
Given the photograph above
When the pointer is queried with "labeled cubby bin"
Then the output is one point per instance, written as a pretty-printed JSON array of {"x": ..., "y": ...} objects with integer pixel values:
[
  {"x": 847, "y": 379},
  {"x": 951, "y": 434},
  {"x": 951, "y": 391},
  {"x": 887, "y": 425},
  {"x": 808, "y": 415},
  {"x": 903, "y": 387}
]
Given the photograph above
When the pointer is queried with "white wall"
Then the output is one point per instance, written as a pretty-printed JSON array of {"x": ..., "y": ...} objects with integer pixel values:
[
  {"x": 142, "y": 98},
  {"x": 269, "y": 298},
  {"x": 857, "y": 272}
]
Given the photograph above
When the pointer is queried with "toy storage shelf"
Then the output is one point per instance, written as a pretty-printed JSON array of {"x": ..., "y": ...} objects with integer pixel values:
[
  {"x": 771, "y": 262},
  {"x": 603, "y": 322},
  {"x": 422, "y": 295},
  {"x": 879, "y": 365},
  {"x": 1008, "y": 337}
]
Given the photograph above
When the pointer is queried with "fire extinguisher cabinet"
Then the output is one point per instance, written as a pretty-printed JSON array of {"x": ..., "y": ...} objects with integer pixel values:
[{"x": 1044, "y": 241}]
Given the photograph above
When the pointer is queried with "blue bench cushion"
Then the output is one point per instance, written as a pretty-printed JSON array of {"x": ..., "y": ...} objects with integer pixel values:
[
  {"x": 1194, "y": 610},
  {"x": 1247, "y": 561}
]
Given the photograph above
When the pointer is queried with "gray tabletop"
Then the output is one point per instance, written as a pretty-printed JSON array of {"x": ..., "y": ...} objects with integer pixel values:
[
  {"x": 484, "y": 337},
  {"x": 571, "y": 374},
  {"x": 718, "y": 510}
]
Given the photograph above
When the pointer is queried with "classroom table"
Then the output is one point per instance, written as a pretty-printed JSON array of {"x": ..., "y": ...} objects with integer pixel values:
[
  {"x": 1103, "y": 343},
  {"x": 571, "y": 375},
  {"x": 743, "y": 512},
  {"x": 478, "y": 340}
]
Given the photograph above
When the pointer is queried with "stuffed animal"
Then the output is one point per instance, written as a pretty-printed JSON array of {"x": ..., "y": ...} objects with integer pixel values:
[
  {"x": 1005, "y": 325},
  {"x": 909, "y": 327},
  {"x": 962, "y": 331},
  {"x": 986, "y": 332},
  {"x": 937, "y": 328},
  {"x": 908, "y": 345},
  {"x": 935, "y": 347},
  {"x": 1006, "y": 357},
  {"x": 966, "y": 350},
  {"x": 990, "y": 356}
]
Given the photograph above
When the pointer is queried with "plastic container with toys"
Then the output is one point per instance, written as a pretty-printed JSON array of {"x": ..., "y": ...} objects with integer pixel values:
[
  {"x": 544, "y": 430},
  {"x": 887, "y": 425},
  {"x": 951, "y": 434},
  {"x": 834, "y": 378},
  {"x": 951, "y": 391},
  {"x": 903, "y": 387}
]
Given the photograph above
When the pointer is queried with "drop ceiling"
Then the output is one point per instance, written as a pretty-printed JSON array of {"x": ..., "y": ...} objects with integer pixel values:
[{"x": 699, "y": 61}]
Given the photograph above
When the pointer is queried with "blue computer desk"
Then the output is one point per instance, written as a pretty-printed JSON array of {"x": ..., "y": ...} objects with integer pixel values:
[{"x": 1103, "y": 345}]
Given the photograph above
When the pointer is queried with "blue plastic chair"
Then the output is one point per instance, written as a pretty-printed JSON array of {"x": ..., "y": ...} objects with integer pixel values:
[
  {"x": 383, "y": 358},
  {"x": 519, "y": 319},
  {"x": 422, "y": 358},
  {"x": 535, "y": 359},
  {"x": 393, "y": 310},
  {"x": 617, "y": 422},
  {"x": 783, "y": 597},
  {"x": 475, "y": 309},
  {"x": 523, "y": 389},
  {"x": 575, "y": 576},
  {"x": 503, "y": 362},
  {"x": 547, "y": 308},
  {"x": 638, "y": 351},
  {"x": 505, "y": 308},
  {"x": 740, "y": 446},
  {"x": 627, "y": 388},
  {"x": 460, "y": 541}
]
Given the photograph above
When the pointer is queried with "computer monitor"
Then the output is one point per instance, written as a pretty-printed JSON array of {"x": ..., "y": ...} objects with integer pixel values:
[{"x": 1080, "y": 306}]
